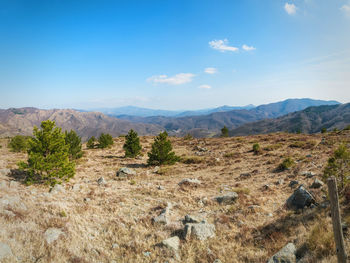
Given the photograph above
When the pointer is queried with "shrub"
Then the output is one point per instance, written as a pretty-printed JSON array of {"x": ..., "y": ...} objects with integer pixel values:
[
  {"x": 256, "y": 148},
  {"x": 91, "y": 143},
  {"x": 339, "y": 166},
  {"x": 19, "y": 143},
  {"x": 105, "y": 140},
  {"x": 347, "y": 128},
  {"x": 132, "y": 145},
  {"x": 224, "y": 132},
  {"x": 323, "y": 130},
  {"x": 161, "y": 152},
  {"x": 191, "y": 159},
  {"x": 48, "y": 156},
  {"x": 188, "y": 137},
  {"x": 286, "y": 164},
  {"x": 74, "y": 143}
]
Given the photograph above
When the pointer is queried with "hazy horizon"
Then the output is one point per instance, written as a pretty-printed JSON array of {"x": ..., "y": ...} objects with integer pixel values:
[{"x": 182, "y": 55}]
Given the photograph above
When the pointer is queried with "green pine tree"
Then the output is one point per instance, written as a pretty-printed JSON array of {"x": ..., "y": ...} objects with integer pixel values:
[
  {"x": 19, "y": 143},
  {"x": 339, "y": 166},
  {"x": 161, "y": 152},
  {"x": 48, "y": 156},
  {"x": 132, "y": 145},
  {"x": 74, "y": 142},
  {"x": 224, "y": 132},
  {"x": 105, "y": 140},
  {"x": 91, "y": 142}
]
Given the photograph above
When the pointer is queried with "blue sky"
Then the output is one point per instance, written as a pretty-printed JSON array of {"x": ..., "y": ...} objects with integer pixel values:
[{"x": 172, "y": 54}]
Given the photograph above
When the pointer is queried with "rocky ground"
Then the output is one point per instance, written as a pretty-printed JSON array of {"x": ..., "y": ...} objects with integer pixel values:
[{"x": 221, "y": 203}]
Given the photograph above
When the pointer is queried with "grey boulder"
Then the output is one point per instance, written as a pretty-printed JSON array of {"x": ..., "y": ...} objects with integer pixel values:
[
  {"x": 227, "y": 199},
  {"x": 285, "y": 255},
  {"x": 300, "y": 198}
]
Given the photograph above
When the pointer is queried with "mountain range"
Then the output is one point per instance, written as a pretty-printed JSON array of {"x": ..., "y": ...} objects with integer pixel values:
[{"x": 261, "y": 119}]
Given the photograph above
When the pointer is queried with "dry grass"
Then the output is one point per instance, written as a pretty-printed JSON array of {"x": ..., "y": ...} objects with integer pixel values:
[{"x": 114, "y": 222}]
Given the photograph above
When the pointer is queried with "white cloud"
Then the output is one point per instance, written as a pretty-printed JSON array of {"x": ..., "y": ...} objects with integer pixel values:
[
  {"x": 248, "y": 48},
  {"x": 177, "y": 79},
  {"x": 291, "y": 9},
  {"x": 204, "y": 87},
  {"x": 346, "y": 9},
  {"x": 210, "y": 70},
  {"x": 222, "y": 45}
]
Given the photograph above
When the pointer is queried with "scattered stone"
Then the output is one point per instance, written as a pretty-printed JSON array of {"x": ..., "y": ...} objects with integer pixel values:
[
  {"x": 190, "y": 181},
  {"x": 101, "y": 181},
  {"x": 115, "y": 245},
  {"x": 3, "y": 185},
  {"x": 245, "y": 175},
  {"x": 76, "y": 187},
  {"x": 308, "y": 174},
  {"x": 266, "y": 187},
  {"x": 160, "y": 187},
  {"x": 300, "y": 198},
  {"x": 163, "y": 217},
  {"x": 125, "y": 172},
  {"x": 5, "y": 251},
  {"x": 156, "y": 169},
  {"x": 200, "y": 149},
  {"x": 14, "y": 202},
  {"x": 57, "y": 189},
  {"x": 200, "y": 231},
  {"x": 191, "y": 219},
  {"x": 87, "y": 199},
  {"x": 173, "y": 244},
  {"x": 309, "y": 156},
  {"x": 254, "y": 208},
  {"x": 52, "y": 234},
  {"x": 147, "y": 254},
  {"x": 217, "y": 261},
  {"x": 227, "y": 199},
  {"x": 285, "y": 255},
  {"x": 4, "y": 172},
  {"x": 316, "y": 184},
  {"x": 280, "y": 182},
  {"x": 293, "y": 183},
  {"x": 217, "y": 159}
]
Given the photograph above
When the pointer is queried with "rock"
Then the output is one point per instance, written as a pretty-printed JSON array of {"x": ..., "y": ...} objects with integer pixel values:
[
  {"x": 245, "y": 175},
  {"x": 189, "y": 181},
  {"x": 191, "y": 219},
  {"x": 280, "y": 182},
  {"x": 293, "y": 183},
  {"x": 173, "y": 244},
  {"x": 57, "y": 189},
  {"x": 254, "y": 208},
  {"x": 316, "y": 184},
  {"x": 115, "y": 245},
  {"x": 266, "y": 187},
  {"x": 308, "y": 155},
  {"x": 101, "y": 181},
  {"x": 285, "y": 255},
  {"x": 3, "y": 185},
  {"x": 52, "y": 234},
  {"x": 308, "y": 174},
  {"x": 217, "y": 261},
  {"x": 87, "y": 199},
  {"x": 5, "y": 251},
  {"x": 4, "y": 172},
  {"x": 14, "y": 202},
  {"x": 125, "y": 172},
  {"x": 76, "y": 187},
  {"x": 200, "y": 231},
  {"x": 163, "y": 217},
  {"x": 200, "y": 149},
  {"x": 156, "y": 169},
  {"x": 227, "y": 199},
  {"x": 160, "y": 187},
  {"x": 300, "y": 198},
  {"x": 147, "y": 254}
]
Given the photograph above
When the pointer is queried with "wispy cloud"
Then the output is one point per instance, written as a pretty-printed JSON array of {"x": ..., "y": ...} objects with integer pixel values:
[
  {"x": 204, "y": 87},
  {"x": 248, "y": 48},
  {"x": 291, "y": 9},
  {"x": 222, "y": 45},
  {"x": 177, "y": 79},
  {"x": 346, "y": 9},
  {"x": 210, "y": 70}
]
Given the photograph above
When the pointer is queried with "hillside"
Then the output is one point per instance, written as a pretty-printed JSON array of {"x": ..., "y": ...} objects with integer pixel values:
[
  {"x": 86, "y": 124},
  {"x": 212, "y": 123},
  {"x": 310, "y": 120},
  {"x": 123, "y": 219}
]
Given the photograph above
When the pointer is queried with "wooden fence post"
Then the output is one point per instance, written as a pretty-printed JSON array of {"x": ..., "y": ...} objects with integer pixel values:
[{"x": 337, "y": 228}]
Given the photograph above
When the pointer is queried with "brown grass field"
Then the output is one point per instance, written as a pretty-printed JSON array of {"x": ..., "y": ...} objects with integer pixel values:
[{"x": 113, "y": 222}]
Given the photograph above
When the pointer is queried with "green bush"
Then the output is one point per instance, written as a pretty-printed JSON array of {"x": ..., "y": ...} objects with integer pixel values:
[
  {"x": 74, "y": 143},
  {"x": 339, "y": 166},
  {"x": 132, "y": 145},
  {"x": 161, "y": 152},
  {"x": 286, "y": 164},
  {"x": 19, "y": 143},
  {"x": 48, "y": 156},
  {"x": 323, "y": 130},
  {"x": 91, "y": 143},
  {"x": 105, "y": 140},
  {"x": 224, "y": 132},
  {"x": 256, "y": 148},
  {"x": 188, "y": 137},
  {"x": 347, "y": 128}
]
